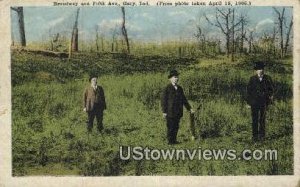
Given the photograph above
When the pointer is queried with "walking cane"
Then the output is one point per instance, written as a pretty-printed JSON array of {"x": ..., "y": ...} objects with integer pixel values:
[{"x": 192, "y": 123}]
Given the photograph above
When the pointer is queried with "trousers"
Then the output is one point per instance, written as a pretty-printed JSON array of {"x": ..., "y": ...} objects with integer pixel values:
[
  {"x": 99, "y": 117},
  {"x": 258, "y": 121},
  {"x": 172, "y": 129}
]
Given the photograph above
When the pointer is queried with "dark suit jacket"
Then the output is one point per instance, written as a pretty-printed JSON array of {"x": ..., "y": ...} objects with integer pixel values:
[
  {"x": 259, "y": 93},
  {"x": 172, "y": 101},
  {"x": 92, "y": 98}
]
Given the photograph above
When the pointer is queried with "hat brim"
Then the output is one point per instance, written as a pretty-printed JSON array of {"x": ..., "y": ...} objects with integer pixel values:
[
  {"x": 92, "y": 77},
  {"x": 259, "y": 67},
  {"x": 172, "y": 75}
]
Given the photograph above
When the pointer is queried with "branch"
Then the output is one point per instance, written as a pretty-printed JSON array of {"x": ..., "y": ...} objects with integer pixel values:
[
  {"x": 220, "y": 25},
  {"x": 283, "y": 10},
  {"x": 237, "y": 23},
  {"x": 15, "y": 9},
  {"x": 225, "y": 15},
  {"x": 239, "y": 29},
  {"x": 276, "y": 11},
  {"x": 209, "y": 20},
  {"x": 244, "y": 19}
]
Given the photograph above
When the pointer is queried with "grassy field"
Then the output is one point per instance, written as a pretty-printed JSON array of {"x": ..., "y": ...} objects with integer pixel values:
[{"x": 49, "y": 127}]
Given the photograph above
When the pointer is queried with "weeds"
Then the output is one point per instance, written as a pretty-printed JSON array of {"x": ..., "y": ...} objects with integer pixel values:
[{"x": 49, "y": 126}]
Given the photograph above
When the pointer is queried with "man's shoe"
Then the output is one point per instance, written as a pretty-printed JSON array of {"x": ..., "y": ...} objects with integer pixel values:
[
  {"x": 176, "y": 142},
  {"x": 100, "y": 129}
]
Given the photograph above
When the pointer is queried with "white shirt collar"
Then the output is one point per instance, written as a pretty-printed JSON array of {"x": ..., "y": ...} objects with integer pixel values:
[
  {"x": 175, "y": 86},
  {"x": 95, "y": 87}
]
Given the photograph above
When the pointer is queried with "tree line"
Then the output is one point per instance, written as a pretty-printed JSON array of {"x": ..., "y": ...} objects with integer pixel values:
[{"x": 238, "y": 36}]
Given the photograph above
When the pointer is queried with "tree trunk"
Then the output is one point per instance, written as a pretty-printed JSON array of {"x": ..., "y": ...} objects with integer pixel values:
[
  {"x": 179, "y": 51},
  {"x": 250, "y": 41},
  {"x": 250, "y": 50},
  {"x": 117, "y": 45},
  {"x": 22, "y": 26},
  {"x": 75, "y": 40},
  {"x": 227, "y": 37},
  {"x": 75, "y": 33},
  {"x": 233, "y": 44},
  {"x": 124, "y": 31},
  {"x": 281, "y": 39},
  {"x": 273, "y": 42},
  {"x": 70, "y": 48},
  {"x": 97, "y": 40},
  {"x": 242, "y": 39},
  {"x": 227, "y": 44},
  {"x": 20, "y": 13},
  {"x": 280, "y": 24},
  {"x": 288, "y": 37},
  {"x": 102, "y": 43}
]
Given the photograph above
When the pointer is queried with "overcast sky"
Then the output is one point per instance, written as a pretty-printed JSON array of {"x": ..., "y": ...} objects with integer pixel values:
[{"x": 149, "y": 23}]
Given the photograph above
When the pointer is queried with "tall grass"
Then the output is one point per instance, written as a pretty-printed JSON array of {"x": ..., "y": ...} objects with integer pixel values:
[{"x": 49, "y": 127}]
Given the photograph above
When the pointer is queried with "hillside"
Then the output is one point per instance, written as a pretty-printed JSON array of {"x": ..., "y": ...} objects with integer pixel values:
[{"x": 49, "y": 127}]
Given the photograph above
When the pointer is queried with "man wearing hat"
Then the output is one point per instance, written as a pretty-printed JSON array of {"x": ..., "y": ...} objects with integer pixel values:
[
  {"x": 172, "y": 102},
  {"x": 94, "y": 103},
  {"x": 260, "y": 92}
]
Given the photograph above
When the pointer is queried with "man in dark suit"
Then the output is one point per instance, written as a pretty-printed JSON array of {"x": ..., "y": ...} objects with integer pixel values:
[
  {"x": 172, "y": 102},
  {"x": 94, "y": 104},
  {"x": 260, "y": 91}
]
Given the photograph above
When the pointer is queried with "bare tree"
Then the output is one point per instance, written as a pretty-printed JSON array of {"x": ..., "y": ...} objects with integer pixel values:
[
  {"x": 250, "y": 39},
  {"x": 97, "y": 37},
  {"x": 208, "y": 46},
  {"x": 75, "y": 33},
  {"x": 20, "y": 13},
  {"x": 102, "y": 43},
  {"x": 54, "y": 40},
  {"x": 275, "y": 31},
  {"x": 288, "y": 36},
  {"x": 232, "y": 37},
  {"x": 74, "y": 38},
  {"x": 225, "y": 21},
  {"x": 244, "y": 22},
  {"x": 281, "y": 19},
  {"x": 124, "y": 31},
  {"x": 114, "y": 44},
  {"x": 13, "y": 40},
  {"x": 201, "y": 38},
  {"x": 225, "y": 28}
]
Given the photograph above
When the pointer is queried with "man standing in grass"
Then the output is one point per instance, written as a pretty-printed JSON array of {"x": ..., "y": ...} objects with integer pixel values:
[
  {"x": 260, "y": 92},
  {"x": 94, "y": 104},
  {"x": 172, "y": 102}
]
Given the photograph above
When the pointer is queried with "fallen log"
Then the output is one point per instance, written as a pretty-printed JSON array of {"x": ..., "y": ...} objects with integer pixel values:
[{"x": 46, "y": 52}]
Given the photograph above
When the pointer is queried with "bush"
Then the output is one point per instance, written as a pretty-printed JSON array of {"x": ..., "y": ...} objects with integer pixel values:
[
  {"x": 57, "y": 110},
  {"x": 219, "y": 118}
]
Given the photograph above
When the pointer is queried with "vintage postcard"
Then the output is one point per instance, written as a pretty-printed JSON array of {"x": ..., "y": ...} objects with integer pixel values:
[{"x": 154, "y": 93}]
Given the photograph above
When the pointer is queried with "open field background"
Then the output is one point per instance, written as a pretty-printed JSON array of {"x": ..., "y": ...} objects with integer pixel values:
[{"x": 49, "y": 127}]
